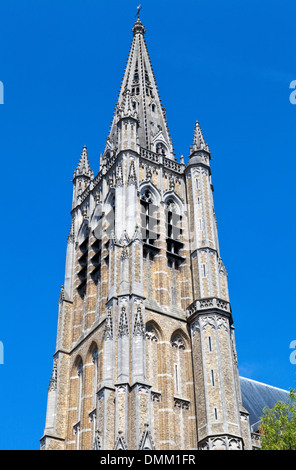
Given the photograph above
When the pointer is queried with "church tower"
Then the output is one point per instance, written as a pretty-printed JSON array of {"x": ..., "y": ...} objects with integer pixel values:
[{"x": 145, "y": 353}]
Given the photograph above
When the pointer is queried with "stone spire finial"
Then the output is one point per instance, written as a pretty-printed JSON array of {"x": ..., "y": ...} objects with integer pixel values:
[
  {"x": 199, "y": 142},
  {"x": 83, "y": 168}
]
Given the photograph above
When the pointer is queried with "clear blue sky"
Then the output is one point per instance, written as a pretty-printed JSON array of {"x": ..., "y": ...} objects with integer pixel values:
[{"x": 227, "y": 64}]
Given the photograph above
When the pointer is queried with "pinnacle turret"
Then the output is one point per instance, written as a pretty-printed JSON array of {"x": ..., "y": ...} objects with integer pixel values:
[
  {"x": 199, "y": 142},
  {"x": 83, "y": 168}
]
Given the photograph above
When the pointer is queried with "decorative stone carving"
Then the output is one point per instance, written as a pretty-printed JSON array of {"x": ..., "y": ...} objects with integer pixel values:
[
  {"x": 155, "y": 396},
  {"x": 97, "y": 444},
  {"x": 147, "y": 196},
  {"x": 141, "y": 388},
  {"x": 221, "y": 443},
  {"x": 208, "y": 303},
  {"x": 124, "y": 252},
  {"x": 123, "y": 323},
  {"x": 53, "y": 380},
  {"x": 71, "y": 236},
  {"x": 207, "y": 321},
  {"x": 119, "y": 176},
  {"x": 222, "y": 322},
  {"x": 146, "y": 442},
  {"x": 177, "y": 342},
  {"x": 195, "y": 328},
  {"x": 132, "y": 177},
  {"x": 108, "y": 332},
  {"x": 76, "y": 427},
  {"x": 122, "y": 388},
  {"x": 139, "y": 327},
  {"x": 181, "y": 403},
  {"x": 151, "y": 334},
  {"x": 120, "y": 443},
  {"x": 92, "y": 415}
]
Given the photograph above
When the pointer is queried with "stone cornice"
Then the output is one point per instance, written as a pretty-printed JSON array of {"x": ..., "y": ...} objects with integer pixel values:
[{"x": 209, "y": 305}]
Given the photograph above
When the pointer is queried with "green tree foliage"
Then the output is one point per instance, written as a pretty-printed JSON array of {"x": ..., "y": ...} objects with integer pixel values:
[{"x": 278, "y": 425}]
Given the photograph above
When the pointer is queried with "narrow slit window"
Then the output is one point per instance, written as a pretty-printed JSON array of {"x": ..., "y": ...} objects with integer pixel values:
[
  {"x": 212, "y": 377},
  {"x": 204, "y": 272},
  {"x": 215, "y": 414},
  {"x": 210, "y": 344},
  {"x": 177, "y": 378}
]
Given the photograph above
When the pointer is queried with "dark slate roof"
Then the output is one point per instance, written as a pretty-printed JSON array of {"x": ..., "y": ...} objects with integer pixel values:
[{"x": 257, "y": 395}]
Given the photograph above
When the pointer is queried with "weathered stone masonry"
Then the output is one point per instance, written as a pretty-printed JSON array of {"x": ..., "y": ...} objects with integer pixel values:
[{"x": 145, "y": 353}]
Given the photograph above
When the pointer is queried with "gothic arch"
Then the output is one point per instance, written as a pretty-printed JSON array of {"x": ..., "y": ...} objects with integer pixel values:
[
  {"x": 91, "y": 385},
  {"x": 153, "y": 353},
  {"x": 179, "y": 339},
  {"x": 153, "y": 331},
  {"x": 78, "y": 363},
  {"x": 172, "y": 196},
  {"x": 75, "y": 404},
  {"x": 91, "y": 350},
  {"x": 148, "y": 186},
  {"x": 179, "y": 345}
]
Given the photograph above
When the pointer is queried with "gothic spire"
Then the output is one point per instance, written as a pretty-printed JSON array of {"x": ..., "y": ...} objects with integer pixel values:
[
  {"x": 199, "y": 142},
  {"x": 83, "y": 168},
  {"x": 139, "y": 99}
]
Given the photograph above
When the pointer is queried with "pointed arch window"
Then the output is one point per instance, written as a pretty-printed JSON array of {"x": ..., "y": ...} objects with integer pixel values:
[
  {"x": 148, "y": 220},
  {"x": 93, "y": 413},
  {"x": 179, "y": 366},
  {"x": 173, "y": 234},
  {"x": 152, "y": 355},
  {"x": 79, "y": 390}
]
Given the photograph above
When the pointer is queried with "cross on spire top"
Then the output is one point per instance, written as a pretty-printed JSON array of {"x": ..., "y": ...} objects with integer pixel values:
[{"x": 139, "y": 8}]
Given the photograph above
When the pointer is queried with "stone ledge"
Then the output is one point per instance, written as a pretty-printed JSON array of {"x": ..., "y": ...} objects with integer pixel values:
[{"x": 210, "y": 303}]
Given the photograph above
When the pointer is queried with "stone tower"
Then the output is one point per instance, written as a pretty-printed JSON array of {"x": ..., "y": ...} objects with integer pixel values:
[{"x": 145, "y": 354}]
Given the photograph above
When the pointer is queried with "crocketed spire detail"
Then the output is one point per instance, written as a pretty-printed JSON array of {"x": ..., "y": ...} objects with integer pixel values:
[
  {"x": 83, "y": 168},
  {"x": 199, "y": 142},
  {"x": 139, "y": 99}
]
